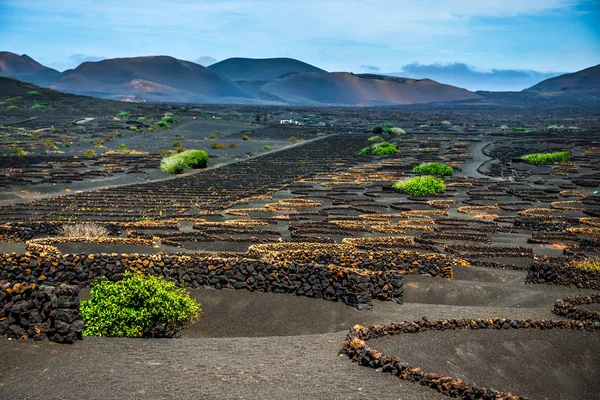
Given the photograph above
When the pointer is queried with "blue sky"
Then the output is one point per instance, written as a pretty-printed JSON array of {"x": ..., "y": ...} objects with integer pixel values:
[{"x": 347, "y": 35}]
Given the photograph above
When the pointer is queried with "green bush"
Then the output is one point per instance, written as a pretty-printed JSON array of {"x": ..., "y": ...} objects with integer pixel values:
[
  {"x": 168, "y": 119},
  {"x": 142, "y": 119},
  {"x": 188, "y": 159},
  {"x": 34, "y": 93},
  {"x": 394, "y": 131},
  {"x": 434, "y": 168},
  {"x": 123, "y": 114},
  {"x": 233, "y": 145},
  {"x": 245, "y": 137},
  {"x": 293, "y": 139},
  {"x": 37, "y": 107},
  {"x": 546, "y": 158},
  {"x": 380, "y": 149},
  {"x": 267, "y": 147},
  {"x": 422, "y": 185},
  {"x": 218, "y": 146},
  {"x": 139, "y": 306},
  {"x": 375, "y": 139},
  {"x": 12, "y": 108},
  {"x": 162, "y": 124},
  {"x": 378, "y": 130},
  {"x": 90, "y": 153}
]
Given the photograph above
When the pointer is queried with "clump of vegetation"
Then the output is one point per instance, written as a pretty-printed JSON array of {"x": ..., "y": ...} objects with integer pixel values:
[
  {"x": 98, "y": 143},
  {"x": 213, "y": 137},
  {"x": 164, "y": 152},
  {"x": 378, "y": 130},
  {"x": 83, "y": 229},
  {"x": 123, "y": 114},
  {"x": 422, "y": 185},
  {"x": 188, "y": 159},
  {"x": 162, "y": 124},
  {"x": 591, "y": 263},
  {"x": 520, "y": 129},
  {"x": 245, "y": 137},
  {"x": 216, "y": 132},
  {"x": 394, "y": 131},
  {"x": 233, "y": 145},
  {"x": 38, "y": 107},
  {"x": 293, "y": 139},
  {"x": 12, "y": 108},
  {"x": 142, "y": 119},
  {"x": 546, "y": 158},
  {"x": 34, "y": 93},
  {"x": 267, "y": 147},
  {"x": 134, "y": 128},
  {"x": 176, "y": 143},
  {"x": 218, "y": 146},
  {"x": 90, "y": 153},
  {"x": 377, "y": 139},
  {"x": 168, "y": 119},
  {"x": 380, "y": 149},
  {"x": 140, "y": 306},
  {"x": 434, "y": 168}
]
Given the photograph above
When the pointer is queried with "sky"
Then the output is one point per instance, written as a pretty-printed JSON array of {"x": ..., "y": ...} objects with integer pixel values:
[{"x": 482, "y": 44}]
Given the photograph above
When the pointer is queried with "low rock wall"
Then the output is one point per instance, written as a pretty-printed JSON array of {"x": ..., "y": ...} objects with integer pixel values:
[{"x": 555, "y": 271}]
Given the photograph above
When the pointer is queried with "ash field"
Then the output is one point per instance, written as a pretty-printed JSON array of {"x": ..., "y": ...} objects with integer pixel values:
[{"x": 318, "y": 276}]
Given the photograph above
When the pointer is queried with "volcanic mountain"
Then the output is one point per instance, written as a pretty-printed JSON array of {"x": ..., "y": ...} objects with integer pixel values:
[
  {"x": 584, "y": 81},
  {"x": 24, "y": 68},
  {"x": 257, "y": 69},
  {"x": 344, "y": 88},
  {"x": 155, "y": 78}
]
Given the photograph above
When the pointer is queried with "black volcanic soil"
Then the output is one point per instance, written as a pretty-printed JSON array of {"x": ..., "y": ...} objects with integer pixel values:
[{"x": 550, "y": 364}]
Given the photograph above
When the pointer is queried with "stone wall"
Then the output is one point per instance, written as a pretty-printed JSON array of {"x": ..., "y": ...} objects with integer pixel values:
[
  {"x": 40, "y": 312},
  {"x": 555, "y": 271}
]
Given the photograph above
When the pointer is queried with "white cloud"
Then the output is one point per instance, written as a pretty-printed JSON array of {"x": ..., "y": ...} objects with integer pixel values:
[{"x": 205, "y": 61}]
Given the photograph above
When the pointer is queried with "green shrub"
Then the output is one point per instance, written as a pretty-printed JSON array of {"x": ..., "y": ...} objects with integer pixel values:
[
  {"x": 394, "y": 131},
  {"x": 380, "y": 149},
  {"x": 267, "y": 147},
  {"x": 176, "y": 143},
  {"x": 434, "y": 168},
  {"x": 187, "y": 159},
  {"x": 162, "y": 124},
  {"x": 90, "y": 153},
  {"x": 245, "y": 137},
  {"x": 216, "y": 132},
  {"x": 293, "y": 139},
  {"x": 123, "y": 114},
  {"x": 139, "y": 306},
  {"x": 3, "y": 103},
  {"x": 142, "y": 119},
  {"x": 422, "y": 185},
  {"x": 375, "y": 139},
  {"x": 218, "y": 146},
  {"x": 233, "y": 145},
  {"x": 37, "y": 107},
  {"x": 386, "y": 125},
  {"x": 378, "y": 130},
  {"x": 45, "y": 104},
  {"x": 12, "y": 108},
  {"x": 546, "y": 158},
  {"x": 164, "y": 152},
  {"x": 34, "y": 93},
  {"x": 168, "y": 119}
]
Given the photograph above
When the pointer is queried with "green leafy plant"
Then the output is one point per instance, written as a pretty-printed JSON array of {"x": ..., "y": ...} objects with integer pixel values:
[
  {"x": 168, "y": 119},
  {"x": 162, "y": 124},
  {"x": 394, "y": 131},
  {"x": 90, "y": 153},
  {"x": 188, "y": 159},
  {"x": 139, "y": 306},
  {"x": 233, "y": 145},
  {"x": 378, "y": 130},
  {"x": 293, "y": 139},
  {"x": 34, "y": 93},
  {"x": 380, "y": 149},
  {"x": 377, "y": 139},
  {"x": 422, "y": 185},
  {"x": 38, "y": 107},
  {"x": 546, "y": 158},
  {"x": 123, "y": 114},
  {"x": 218, "y": 146},
  {"x": 267, "y": 147},
  {"x": 142, "y": 119},
  {"x": 12, "y": 108},
  {"x": 434, "y": 168},
  {"x": 245, "y": 137}
]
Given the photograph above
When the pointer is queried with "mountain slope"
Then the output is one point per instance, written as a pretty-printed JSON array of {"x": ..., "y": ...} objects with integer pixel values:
[
  {"x": 586, "y": 80},
  {"x": 257, "y": 69},
  {"x": 155, "y": 78},
  {"x": 348, "y": 89},
  {"x": 25, "y": 68}
]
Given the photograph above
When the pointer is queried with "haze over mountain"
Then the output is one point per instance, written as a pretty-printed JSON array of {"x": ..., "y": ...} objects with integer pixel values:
[
  {"x": 24, "y": 68},
  {"x": 154, "y": 78},
  {"x": 584, "y": 81},
  {"x": 367, "y": 89},
  {"x": 260, "y": 69}
]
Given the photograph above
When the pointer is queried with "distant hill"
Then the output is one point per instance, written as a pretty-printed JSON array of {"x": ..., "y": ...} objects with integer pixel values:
[
  {"x": 155, "y": 78},
  {"x": 584, "y": 81},
  {"x": 362, "y": 90},
  {"x": 25, "y": 68},
  {"x": 257, "y": 69}
]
